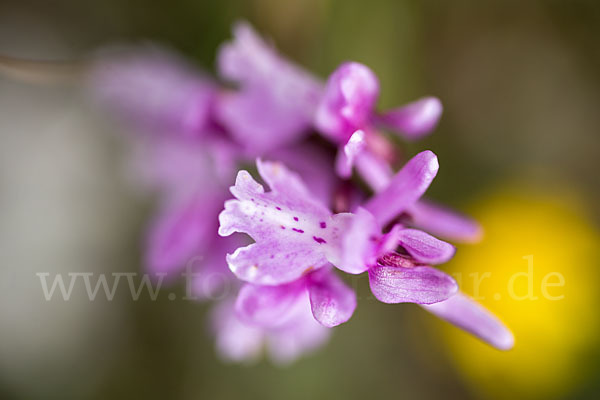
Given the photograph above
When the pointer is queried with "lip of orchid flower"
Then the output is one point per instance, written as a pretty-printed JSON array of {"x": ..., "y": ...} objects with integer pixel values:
[
  {"x": 275, "y": 100},
  {"x": 286, "y": 224}
]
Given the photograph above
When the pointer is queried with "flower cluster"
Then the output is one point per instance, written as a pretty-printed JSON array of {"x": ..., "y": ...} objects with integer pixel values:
[{"x": 285, "y": 290}]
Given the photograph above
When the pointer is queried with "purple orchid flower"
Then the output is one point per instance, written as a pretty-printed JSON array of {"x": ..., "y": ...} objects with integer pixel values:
[
  {"x": 275, "y": 100},
  {"x": 294, "y": 232},
  {"x": 296, "y": 235},
  {"x": 346, "y": 115},
  {"x": 348, "y": 105},
  {"x": 291, "y": 295}
]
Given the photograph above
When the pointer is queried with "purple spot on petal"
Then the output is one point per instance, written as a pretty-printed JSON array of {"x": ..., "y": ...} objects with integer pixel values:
[
  {"x": 282, "y": 227},
  {"x": 279, "y": 208},
  {"x": 323, "y": 225},
  {"x": 295, "y": 218},
  {"x": 319, "y": 240},
  {"x": 298, "y": 230}
]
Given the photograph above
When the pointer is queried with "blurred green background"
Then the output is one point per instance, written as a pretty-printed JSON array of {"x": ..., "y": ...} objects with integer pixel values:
[{"x": 518, "y": 147}]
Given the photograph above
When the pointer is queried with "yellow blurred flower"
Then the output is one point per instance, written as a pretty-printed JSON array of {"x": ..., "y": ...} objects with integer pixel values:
[{"x": 537, "y": 269}]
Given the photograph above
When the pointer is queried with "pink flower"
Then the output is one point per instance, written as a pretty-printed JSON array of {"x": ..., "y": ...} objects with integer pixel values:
[
  {"x": 347, "y": 116},
  {"x": 297, "y": 238},
  {"x": 291, "y": 294}
]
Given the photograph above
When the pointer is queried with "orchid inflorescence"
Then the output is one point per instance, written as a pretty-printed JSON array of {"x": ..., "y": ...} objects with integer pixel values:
[{"x": 314, "y": 220}]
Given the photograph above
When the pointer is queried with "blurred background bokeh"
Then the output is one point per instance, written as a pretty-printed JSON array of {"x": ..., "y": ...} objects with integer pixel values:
[{"x": 518, "y": 146}]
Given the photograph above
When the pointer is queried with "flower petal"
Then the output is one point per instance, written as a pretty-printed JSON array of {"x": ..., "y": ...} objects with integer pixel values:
[
  {"x": 420, "y": 284},
  {"x": 424, "y": 247},
  {"x": 271, "y": 214},
  {"x": 467, "y": 314},
  {"x": 414, "y": 120},
  {"x": 276, "y": 100},
  {"x": 348, "y": 102},
  {"x": 331, "y": 300},
  {"x": 444, "y": 222},
  {"x": 274, "y": 262},
  {"x": 405, "y": 188},
  {"x": 268, "y": 306},
  {"x": 293, "y": 232}
]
